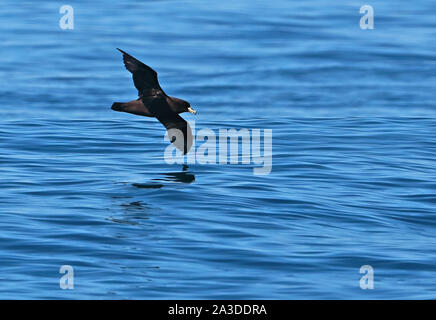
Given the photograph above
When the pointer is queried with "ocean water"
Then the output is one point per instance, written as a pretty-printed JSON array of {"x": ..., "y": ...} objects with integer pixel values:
[{"x": 353, "y": 151}]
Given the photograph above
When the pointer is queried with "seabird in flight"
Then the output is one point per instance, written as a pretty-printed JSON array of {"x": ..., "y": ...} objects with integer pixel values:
[{"x": 154, "y": 102}]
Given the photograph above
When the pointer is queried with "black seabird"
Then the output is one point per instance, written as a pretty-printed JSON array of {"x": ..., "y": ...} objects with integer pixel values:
[{"x": 154, "y": 102}]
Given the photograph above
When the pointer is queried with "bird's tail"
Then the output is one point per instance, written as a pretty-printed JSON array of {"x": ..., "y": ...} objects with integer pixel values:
[{"x": 118, "y": 106}]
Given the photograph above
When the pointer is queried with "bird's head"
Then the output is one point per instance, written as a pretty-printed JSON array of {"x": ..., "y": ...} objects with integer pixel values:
[
  {"x": 187, "y": 107},
  {"x": 190, "y": 109},
  {"x": 183, "y": 106}
]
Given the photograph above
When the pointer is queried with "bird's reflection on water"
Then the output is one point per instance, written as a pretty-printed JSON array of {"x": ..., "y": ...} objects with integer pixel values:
[
  {"x": 132, "y": 213},
  {"x": 182, "y": 177}
]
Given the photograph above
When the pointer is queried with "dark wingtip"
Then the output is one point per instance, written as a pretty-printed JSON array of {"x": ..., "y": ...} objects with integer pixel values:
[{"x": 123, "y": 52}]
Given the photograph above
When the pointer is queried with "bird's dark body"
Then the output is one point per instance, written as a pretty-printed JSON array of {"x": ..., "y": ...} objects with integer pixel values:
[{"x": 154, "y": 102}]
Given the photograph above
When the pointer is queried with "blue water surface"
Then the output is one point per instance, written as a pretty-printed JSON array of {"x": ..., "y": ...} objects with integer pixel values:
[{"x": 353, "y": 177}]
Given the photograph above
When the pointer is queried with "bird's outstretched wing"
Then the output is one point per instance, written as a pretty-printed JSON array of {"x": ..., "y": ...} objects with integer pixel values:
[
  {"x": 179, "y": 131},
  {"x": 144, "y": 77}
]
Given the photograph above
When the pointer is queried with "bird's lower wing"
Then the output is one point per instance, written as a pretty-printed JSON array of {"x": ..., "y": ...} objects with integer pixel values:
[{"x": 179, "y": 131}]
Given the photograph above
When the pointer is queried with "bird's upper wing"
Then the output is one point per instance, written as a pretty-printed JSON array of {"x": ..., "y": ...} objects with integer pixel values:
[
  {"x": 179, "y": 131},
  {"x": 144, "y": 77}
]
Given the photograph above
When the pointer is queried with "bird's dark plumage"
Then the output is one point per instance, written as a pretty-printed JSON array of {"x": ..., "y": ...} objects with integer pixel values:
[
  {"x": 144, "y": 77},
  {"x": 154, "y": 102}
]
